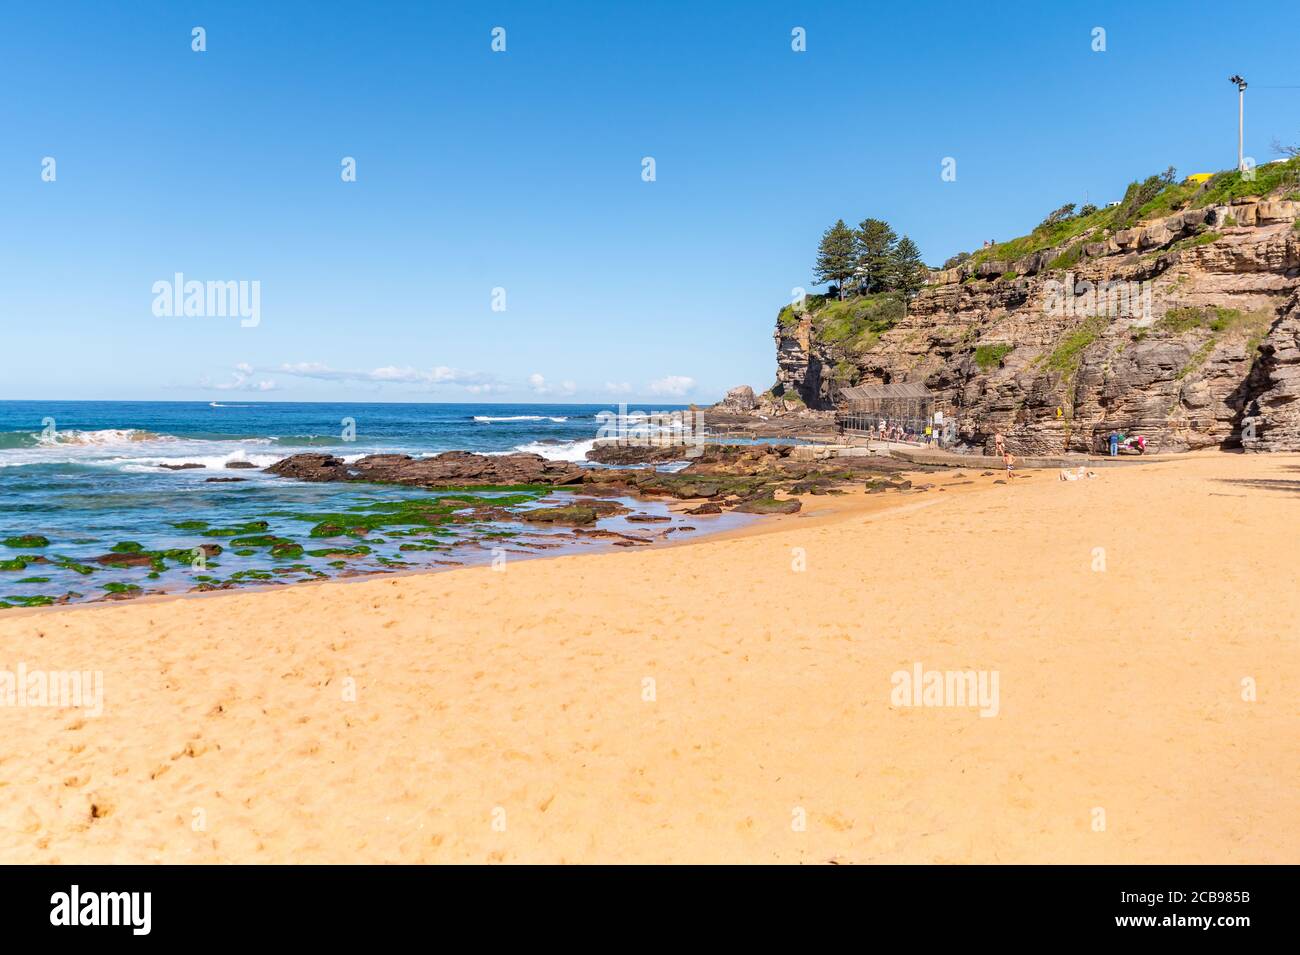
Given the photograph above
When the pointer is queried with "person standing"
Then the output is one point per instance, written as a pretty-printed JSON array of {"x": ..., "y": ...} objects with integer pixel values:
[
  {"x": 1000, "y": 445},
  {"x": 1114, "y": 443}
]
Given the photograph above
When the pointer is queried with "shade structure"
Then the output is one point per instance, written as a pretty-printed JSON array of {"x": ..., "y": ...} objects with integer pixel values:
[{"x": 898, "y": 410}]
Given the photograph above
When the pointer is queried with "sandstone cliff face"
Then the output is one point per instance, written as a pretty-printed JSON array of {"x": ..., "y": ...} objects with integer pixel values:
[{"x": 1185, "y": 330}]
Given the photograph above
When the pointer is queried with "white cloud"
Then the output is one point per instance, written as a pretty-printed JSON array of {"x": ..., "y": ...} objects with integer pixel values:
[
  {"x": 673, "y": 385},
  {"x": 540, "y": 387},
  {"x": 474, "y": 381},
  {"x": 618, "y": 387},
  {"x": 242, "y": 380},
  {"x": 306, "y": 369}
]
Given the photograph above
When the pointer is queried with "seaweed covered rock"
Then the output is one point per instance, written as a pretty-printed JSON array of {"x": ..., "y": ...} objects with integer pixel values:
[
  {"x": 570, "y": 514},
  {"x": 767, "y": 504},
  {"x": 450, "y": 469},
  {"x": 611, "y": 453}
]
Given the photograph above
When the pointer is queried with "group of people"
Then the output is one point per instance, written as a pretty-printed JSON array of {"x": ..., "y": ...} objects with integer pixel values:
[
  {"x": 1117, "y": 439},
  {"x": 886, "y": 430},
  {"x": 933, "y": 435},
  {"x": 1114, "y": 440},
  {"x": 891, "y": 431}
]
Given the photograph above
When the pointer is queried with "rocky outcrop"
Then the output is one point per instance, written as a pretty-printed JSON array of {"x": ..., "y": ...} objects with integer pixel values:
[
  {"x": 622, "y": 454},
  {"x": 739, "y": 399},
  {"x": 744, "y": 477},
  {"x": 1271, "y": 421},
  {"x": 1185, "y": 330},
  {"x": 573, "y": 514},
  {"x": 450, "y": 469},
  {"x": 311, "y": 467},
  {"x": 802, "y": 365}
]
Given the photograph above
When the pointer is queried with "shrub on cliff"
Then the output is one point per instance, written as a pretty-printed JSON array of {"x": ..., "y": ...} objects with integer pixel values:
[
  {"x": 990, "y": 356},
  {"x": 1044, "y": 237},
  {"x": 789, "y": 315},
  {"x": 1154, "y": 197},
  {"x": 1068, "y": 353},
  {"x": 845, "y": 372},
  {"x": 1137, "y": 195},
  {"x": 1226, "y": 186},
  {"x": 1058, "y": 215},
  {"x": 1069, "y": 258}
]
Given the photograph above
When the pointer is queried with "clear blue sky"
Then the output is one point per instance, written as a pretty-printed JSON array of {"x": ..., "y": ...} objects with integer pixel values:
[{"x": 522, "y": 170}]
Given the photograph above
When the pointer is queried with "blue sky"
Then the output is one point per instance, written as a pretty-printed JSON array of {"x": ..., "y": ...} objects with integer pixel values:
[{"x": 522, "y": 170}]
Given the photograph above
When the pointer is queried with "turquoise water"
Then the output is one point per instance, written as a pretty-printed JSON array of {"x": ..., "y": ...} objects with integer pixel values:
[{"x": 87, "y": 477}]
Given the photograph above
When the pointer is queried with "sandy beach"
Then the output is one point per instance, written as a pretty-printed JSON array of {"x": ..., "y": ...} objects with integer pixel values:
[{"x": 727, "y": 700}]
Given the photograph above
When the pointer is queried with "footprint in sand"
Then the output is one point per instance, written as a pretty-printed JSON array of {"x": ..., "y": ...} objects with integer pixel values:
[{"x": 837, "y": 822}]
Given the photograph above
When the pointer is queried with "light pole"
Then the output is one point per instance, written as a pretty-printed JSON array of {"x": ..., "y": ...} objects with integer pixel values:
[{"x": 1241, "y": 117}]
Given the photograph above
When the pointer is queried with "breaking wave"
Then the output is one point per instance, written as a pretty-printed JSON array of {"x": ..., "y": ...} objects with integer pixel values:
[
  {"x": 559, "y": 450},
  {"x": 128, "y": 449},
  {"x": 74, "y": 438}
]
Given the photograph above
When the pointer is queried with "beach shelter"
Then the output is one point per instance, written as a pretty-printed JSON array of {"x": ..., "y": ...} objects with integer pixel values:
[{"x": 862, "y": 408}]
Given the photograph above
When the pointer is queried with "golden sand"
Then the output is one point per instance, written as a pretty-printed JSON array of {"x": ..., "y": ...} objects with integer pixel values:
[{"x": 510, "y": 716}]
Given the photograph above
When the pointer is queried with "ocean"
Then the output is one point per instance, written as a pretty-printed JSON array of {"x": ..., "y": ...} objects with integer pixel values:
[{"x": 80, "y": 481}]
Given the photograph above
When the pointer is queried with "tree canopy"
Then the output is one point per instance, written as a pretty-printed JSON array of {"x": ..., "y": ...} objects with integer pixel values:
[
  {"x": 869, "y": 259},
  {"x": 875, "y": 245},
  {"x": 835, "y": 256},
  {"x": 908, "y": 270}
]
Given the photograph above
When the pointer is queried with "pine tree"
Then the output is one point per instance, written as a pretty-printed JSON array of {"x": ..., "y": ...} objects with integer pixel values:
[
  {"x": 908, "y": 269},
  {"x": 874, "y": 246},
  {"x": 835, "y": 256}
]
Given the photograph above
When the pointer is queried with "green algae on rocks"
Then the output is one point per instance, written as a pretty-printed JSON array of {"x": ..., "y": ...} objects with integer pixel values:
[
  {"x": 238, "y": 530},
  {"x": 39, "y": 600},
  {"x": 362, "y": 519},
  {"x": 27, "y": 541},
  {"x": 567, "y": 514}
]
